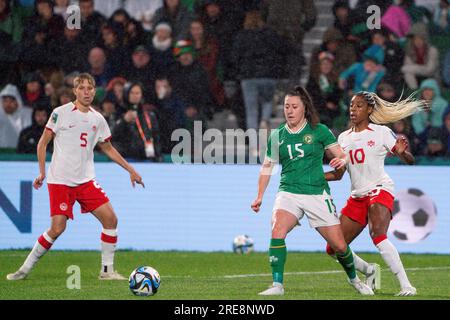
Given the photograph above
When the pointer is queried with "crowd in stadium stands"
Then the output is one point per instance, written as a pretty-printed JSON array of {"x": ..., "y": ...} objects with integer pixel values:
[{"x": 160, "y": 65}]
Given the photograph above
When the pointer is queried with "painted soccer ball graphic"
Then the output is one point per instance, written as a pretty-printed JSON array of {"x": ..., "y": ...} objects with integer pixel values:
[
  {"x": 414, "y": 216},
  {"x": 242, "y": 244},
  {"x": 144, "y": 281}
]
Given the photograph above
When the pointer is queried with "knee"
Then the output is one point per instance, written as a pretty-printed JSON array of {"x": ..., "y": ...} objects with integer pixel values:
[
  {"x": 111, "y": 222},
  {"x": 57, "y": 230},
  {"x": 278, "y": 231},
  {"x": 340, "y": 248}
]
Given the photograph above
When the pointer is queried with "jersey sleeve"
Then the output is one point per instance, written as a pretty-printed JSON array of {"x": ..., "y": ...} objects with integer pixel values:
[
  {"x": 104, "y": 133},
  {"x": 272, "y": 152},
  {"x": 54, "y": 122},
  {"x": 389, "y": 139},
  {"x": 328, "y": 138}
]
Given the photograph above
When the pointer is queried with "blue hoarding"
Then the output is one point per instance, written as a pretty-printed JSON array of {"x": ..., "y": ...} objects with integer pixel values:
[{"x": 203, "y": 207}]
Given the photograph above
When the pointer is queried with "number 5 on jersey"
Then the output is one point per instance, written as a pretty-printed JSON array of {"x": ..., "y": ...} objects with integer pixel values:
[{"x": 83, "y": 138}]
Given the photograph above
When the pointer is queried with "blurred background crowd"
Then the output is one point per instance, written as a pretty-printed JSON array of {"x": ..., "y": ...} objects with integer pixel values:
[{"x": 160, "y": 65}]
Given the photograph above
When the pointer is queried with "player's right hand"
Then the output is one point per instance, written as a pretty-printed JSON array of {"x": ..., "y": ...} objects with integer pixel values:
[
  {"x": 136, "y": 178},
  {"x": 39, "y": 181},
  {"x": 256, "y": 205}
]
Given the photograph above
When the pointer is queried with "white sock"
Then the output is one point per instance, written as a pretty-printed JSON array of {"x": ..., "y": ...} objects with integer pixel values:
[
  {"x": 390, "y": 255},
  {"x": 108, "y": 243},
  {"x": 360, "y": 264},
  {"x": 42, "y": 245}
]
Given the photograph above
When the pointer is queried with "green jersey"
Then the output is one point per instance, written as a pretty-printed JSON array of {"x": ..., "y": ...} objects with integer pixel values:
[{"x": 300, "y": 155}]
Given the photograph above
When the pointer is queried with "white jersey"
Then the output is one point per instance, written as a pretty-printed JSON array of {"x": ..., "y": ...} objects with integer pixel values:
[
  {"x": 76, "y": 134},
  {"x": 366, "y": 151}
]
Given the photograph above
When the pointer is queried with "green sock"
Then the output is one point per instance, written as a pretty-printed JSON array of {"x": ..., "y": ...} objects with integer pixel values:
[
  {"x": 277, "y": 254},
  {"x": 346, "y": 261}
]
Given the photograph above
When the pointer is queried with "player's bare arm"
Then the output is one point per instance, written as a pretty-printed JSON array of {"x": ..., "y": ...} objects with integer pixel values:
[
  {"x": 115, "y": 156},
  {"x": 263, "y": 182},
  {"x": 401, "y": 146},
  {"x": 45, "y": 139},
  {"x": 339, "y": 160}
]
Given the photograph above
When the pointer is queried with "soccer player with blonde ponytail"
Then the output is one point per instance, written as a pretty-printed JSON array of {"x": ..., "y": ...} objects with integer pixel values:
[{"x": 366, "y": 145}]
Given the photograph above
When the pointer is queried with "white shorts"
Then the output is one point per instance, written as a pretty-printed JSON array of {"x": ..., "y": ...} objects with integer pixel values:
[{"x": 319, "y": 209}]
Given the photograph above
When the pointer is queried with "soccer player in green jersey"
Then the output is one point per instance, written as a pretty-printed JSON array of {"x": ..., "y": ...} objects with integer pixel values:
[{"x": 299, "y": 146}]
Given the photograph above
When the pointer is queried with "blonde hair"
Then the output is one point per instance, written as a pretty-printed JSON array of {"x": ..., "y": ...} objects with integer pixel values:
[
  {"x": 81, "y": 77},
  {"x": 385, "y": 112}
]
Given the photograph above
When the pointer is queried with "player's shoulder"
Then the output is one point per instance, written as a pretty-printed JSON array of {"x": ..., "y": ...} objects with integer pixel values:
[
  {"x": 345, "y": 134},
  {"x": 64, "y": 108},
  {"x": 382, "y": 129},
  {"x": 97, "y": 115}
]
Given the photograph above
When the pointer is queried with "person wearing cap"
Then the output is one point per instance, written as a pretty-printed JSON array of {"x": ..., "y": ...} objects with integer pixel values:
[
  {"x": 161, "y": 46},
  {"x": 190, "y": 82},
  {"x": 143, "y": 69},
  {"x": 367, "y": 74},
  {"x": 421, "y": 59},
  {"x": 13, "y": 116},
  {"x": 324, "y": 91}
]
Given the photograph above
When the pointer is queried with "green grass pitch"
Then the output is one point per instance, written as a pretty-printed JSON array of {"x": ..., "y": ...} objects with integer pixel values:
[{"x": 218, "y": 275}]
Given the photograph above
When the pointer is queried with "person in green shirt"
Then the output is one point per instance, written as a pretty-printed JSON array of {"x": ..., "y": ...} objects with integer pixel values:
[{"x": 299, "y": 146}]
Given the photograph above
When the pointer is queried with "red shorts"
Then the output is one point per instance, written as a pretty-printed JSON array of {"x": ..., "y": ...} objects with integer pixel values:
[
  {"x": 357, "y": 209},
  {"x": 62, "y": 198}
]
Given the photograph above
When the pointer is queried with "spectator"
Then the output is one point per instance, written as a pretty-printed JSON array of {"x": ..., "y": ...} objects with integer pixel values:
[
  {"x": 29, "y": 137},
  {"x": 177, "y": 15},
  {"x": 120, "y": 17},
  {"x": 112, "y": 44},
  {"x": 342, "y": 17},
  {"x": 190, "y": 82},
  {"x": 108, "y": 111},
  {"x": 63, "y": 95},
  {"x": 33, "y": 91},
  {"x": 421, "y": 59},
  {"x": 11, "y": 26},
  {"x": 162, "y": 46},
  {"x": 386, "y": 91},
  {"x": 397, "y": 21},
  {"x": 258, "y": 61},
  {"x": 136, "y": 135},
  {"x": 70, "y": 52},
  {"x": 324, "y": 90},
  {"x": 402, "y": 129},
  {"x": 99, "y": 67},
  {"x": 222, "y": 21},
  {"x": 135, "y": 35},
  {"x": 143, "y": 70},
  {"x": 14, "y": 117},
  {"x": 114, "y": 94},
  {"x": 334, "y": 43},
  {"x": 171, "y": 111},
  {"x": 60, "y": 8},
  {"x": 446, "y": 130},
  {"x": 441, "y": 17},
  {"x": 423, "y": 121},
  {"x": 207, "y": 53},
  {"x": 416, "y": 13},
  {"x": 393, "y": 55},
  {"x": 291, "y": 19},
  {"x": 367, "y": 74},
  {"x": 436, "y": 143},
  {"x": 446, "y": 69},
  {"x": 91, "y": 23}
]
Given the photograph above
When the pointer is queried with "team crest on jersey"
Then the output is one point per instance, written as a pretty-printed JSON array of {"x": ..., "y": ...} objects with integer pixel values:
[
  {"x": 308, "y": 139},
  {"x": 371, "y": 143},
  {"x": 63, "y": 206},
  {"x": 54, "y": 118}
]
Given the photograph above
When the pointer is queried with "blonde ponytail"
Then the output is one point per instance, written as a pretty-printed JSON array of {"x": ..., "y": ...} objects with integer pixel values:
[{"x": 387, "y": 112}]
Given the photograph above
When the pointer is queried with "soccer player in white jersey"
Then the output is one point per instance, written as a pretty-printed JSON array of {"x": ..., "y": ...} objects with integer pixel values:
[
  {"x": 76, "y": 129},
  {"x": 366, "y": 145}
]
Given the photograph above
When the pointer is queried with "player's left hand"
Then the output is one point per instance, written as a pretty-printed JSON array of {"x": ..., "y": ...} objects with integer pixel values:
[
  {"x": 136, "y": 178},
  {"x": 337, "y": 163},
  {"x": 401, "y": 145}
]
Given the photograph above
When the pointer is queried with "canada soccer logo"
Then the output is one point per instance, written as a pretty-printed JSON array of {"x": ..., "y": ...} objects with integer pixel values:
[
  {"x": 63, "y": 206},
  {"x": 371, "y": 143}
]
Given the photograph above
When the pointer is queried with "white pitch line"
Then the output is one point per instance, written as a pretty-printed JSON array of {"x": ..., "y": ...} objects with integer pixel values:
[{"x": 300, "y": 273}]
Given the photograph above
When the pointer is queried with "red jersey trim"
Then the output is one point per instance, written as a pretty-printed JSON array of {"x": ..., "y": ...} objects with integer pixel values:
[
  {"x": 47, "y": 128},
  {"x": 108, "y": 139},
  {"x": 393, "y": 149}
]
